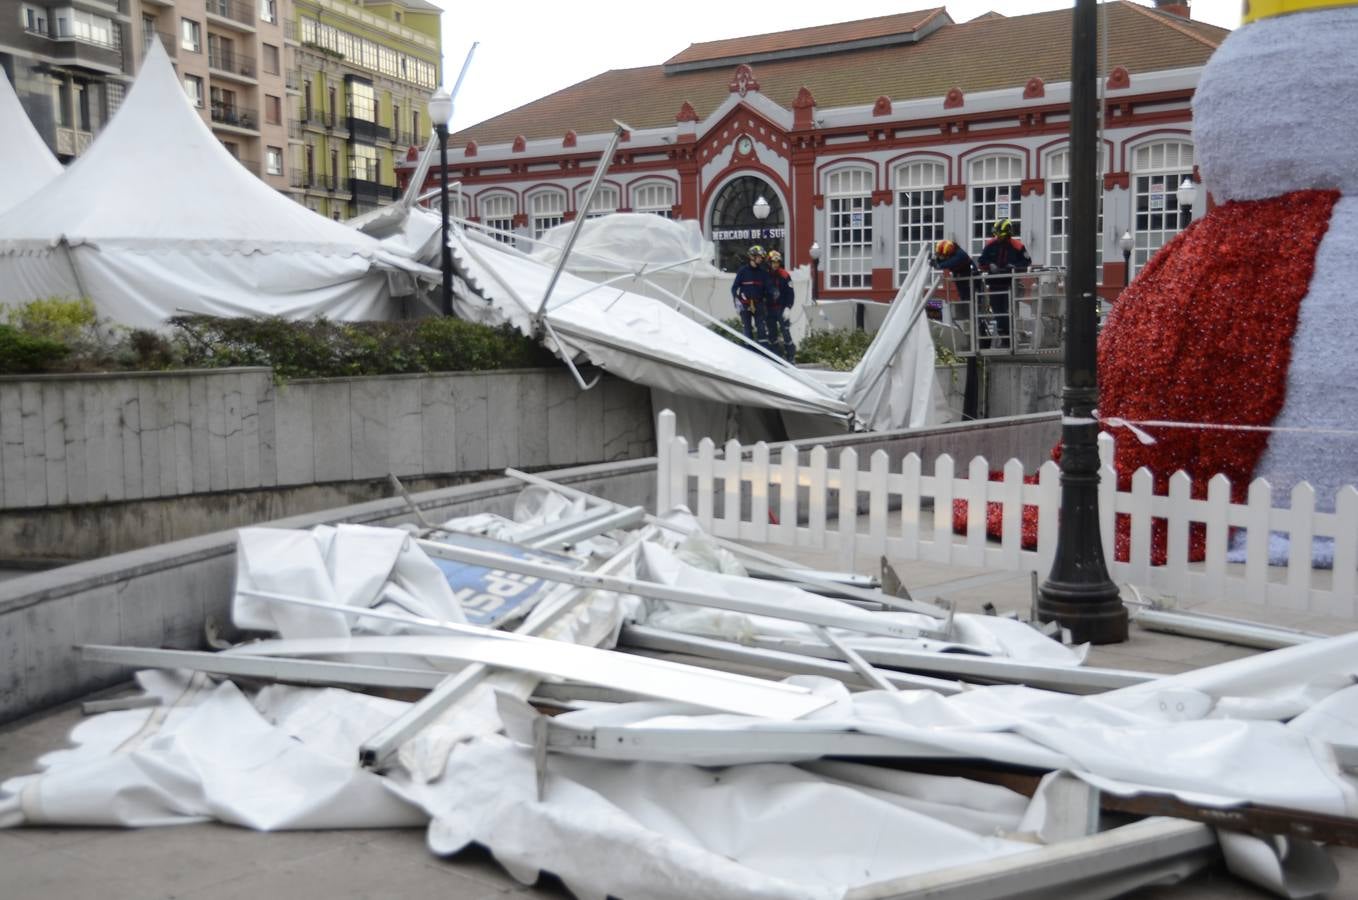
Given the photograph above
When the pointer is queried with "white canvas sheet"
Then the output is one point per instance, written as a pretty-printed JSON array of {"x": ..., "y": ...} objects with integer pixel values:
[{"x": 634, "y": 337}]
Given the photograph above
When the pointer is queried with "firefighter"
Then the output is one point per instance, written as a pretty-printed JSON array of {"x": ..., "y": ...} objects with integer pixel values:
[
  {"x": 750, "y": 292},
  {"x": 1002, "y": 256},
  {"x": 950, "y": 258},
  {"x": 780, "y": 301}
]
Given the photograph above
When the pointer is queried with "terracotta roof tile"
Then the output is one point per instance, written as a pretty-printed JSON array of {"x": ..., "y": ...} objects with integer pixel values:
[
  {"x": 819, "y": 35},
  {"x": 981, "y": 55}
]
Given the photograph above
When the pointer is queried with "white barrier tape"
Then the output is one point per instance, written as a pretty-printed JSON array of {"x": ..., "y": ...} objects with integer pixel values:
[{"x": 1136, "y": 426}]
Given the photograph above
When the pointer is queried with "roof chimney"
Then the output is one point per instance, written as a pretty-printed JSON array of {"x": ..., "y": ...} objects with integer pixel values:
[{"x": 1174, "y": 8}]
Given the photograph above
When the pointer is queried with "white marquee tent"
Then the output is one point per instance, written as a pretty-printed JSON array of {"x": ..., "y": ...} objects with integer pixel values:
[
  {"x": 26, "y": 163},
  {"x": 158, "y": 218}
]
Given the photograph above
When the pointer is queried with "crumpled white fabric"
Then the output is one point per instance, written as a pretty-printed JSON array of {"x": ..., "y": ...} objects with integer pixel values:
[
  {"x": 349, "y": 565},
  {"x": 206, "y": 754},
  {"x": 676, "y": 831}
]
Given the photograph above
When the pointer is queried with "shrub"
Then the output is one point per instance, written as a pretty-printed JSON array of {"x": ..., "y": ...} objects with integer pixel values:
[
  {"x": 836, "y": 348},
  {"x": 21, "y": 352}
]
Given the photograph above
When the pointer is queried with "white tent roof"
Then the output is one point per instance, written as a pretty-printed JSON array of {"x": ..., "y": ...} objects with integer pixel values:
[
  {"x": 189, "y": 189},
  {"x": 26, "y": 163},
  {"x": 632, "y": 336}
]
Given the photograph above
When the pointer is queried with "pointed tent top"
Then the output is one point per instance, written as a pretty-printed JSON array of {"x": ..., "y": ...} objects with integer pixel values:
[
  {"x": 26, "y": 162},
  {"x": 194, "y": 190}
]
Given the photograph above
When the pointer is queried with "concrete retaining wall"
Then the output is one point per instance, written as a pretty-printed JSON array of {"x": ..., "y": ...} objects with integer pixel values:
[{"x": 78, "y": 439}]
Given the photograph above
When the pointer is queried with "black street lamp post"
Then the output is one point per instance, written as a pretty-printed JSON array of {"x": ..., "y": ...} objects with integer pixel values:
[
  {"x": 1125, "y": 244},
  {"x": 1078, "y": 593},
  {"x": 814, "y": 253},
  {"x": 440, "y": 111}
]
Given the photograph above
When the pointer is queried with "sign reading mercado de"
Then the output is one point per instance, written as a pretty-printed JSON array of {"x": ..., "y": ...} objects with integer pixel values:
[{"x": 871, "y": 139}]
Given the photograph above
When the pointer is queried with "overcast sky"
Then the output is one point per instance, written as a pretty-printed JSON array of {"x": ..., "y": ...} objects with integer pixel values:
[{"x": 531, "y": 48}]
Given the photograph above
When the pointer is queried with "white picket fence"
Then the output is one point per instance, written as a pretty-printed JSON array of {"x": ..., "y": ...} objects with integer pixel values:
[{"x": 734, "y": 496}]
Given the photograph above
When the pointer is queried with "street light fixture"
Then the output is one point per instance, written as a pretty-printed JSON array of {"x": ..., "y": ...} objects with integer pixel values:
[
  {"x": 440, "y": 111},
  {"x": 1186, "y": 195},
  {"x": 1125, "y": 244},
  {"x": 761, "y": 208}
]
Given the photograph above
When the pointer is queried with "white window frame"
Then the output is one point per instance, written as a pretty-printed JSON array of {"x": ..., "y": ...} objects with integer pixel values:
[
  {"x": 273, "y": 160},
  {"x": 655, "y": 197},
  {"x": 918, "y": 186},
  {"x": 497, "y": 211},
  {"x": 193, "y": 86},
  {"x": 546, "y": 209},
  {"x": 994, "y": 192},
  {"x": 1058, "y": 213},
  {"x": 607, "y": 199},
  {"x": 1158, "y": 167},
  {"x": 190, "y": 36},
  {"x": 848, "y": 221}
]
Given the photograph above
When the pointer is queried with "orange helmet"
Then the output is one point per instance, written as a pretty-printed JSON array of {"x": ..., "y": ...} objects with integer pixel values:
[
  {"x": 944, "y": 249},
  {"x": 775, "y": 258}
]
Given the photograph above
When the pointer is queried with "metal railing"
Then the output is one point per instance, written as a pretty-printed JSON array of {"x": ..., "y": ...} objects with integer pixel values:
[
  {"x": 1003, "y": 314},
  {"x": 299, "y": 177},
  {"x": 46, "y": 31},
  {"x": 231, "y": 61},
  {"x": 292, "y": 79},
  {"x": 235, "y": 10},
  {"x": 235, "y": 116}
]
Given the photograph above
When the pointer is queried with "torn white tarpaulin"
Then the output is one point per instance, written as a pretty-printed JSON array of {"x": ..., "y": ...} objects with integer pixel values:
[
  {"x": 677, "y": 831},
  {"x": 207, "y": 754},
  {"x": 347, "y": 565},
  {"x": 634, "y": 337}
]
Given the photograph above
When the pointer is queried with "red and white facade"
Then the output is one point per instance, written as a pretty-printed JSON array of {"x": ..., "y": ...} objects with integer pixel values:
[{"x": 869, "y": 184}]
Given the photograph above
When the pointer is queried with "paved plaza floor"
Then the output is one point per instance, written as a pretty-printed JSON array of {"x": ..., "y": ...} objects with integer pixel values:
[{"x": 206, "y": 862}]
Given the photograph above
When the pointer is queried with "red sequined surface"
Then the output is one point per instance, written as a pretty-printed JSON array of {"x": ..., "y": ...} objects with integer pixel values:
[{"x": 1204, "y": 334}]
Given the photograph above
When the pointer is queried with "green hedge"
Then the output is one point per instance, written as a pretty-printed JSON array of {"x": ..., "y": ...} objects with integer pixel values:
[{"x": 57, "y": 335}]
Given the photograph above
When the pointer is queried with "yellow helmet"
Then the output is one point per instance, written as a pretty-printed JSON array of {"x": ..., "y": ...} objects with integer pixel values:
[
  {"x": 1003, "y": 228},
  {"x": 755, "y": 250},
  {"x": 944, "y": 248},
  {"x": 775, "y": 258}
]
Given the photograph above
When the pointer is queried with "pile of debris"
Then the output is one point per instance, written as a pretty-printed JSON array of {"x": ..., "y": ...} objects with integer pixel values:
[{"x": 645, "y": 710}]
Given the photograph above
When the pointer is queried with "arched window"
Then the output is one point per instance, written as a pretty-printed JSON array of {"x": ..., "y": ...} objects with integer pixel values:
[
  {"x": 497, "y": 214},
  {"x": 994, "y": 185},
  {"x": 605, "y": 201},
  {"x": 919, "y": 210},
  {"x": 548, "y": 209},
  {"x": 1157, "y": 171},
  {"x": 848, "y": 205},
  {"x": 1058, "y": 211},
  {"x": 654, "y": 197}
]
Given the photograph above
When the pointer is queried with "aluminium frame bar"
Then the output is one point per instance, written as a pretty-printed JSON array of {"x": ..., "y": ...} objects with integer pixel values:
[
  {"x": 579, "y": 531},
  {"x": 296, "y": 671},
  {"x": 856, "y": 620},
  {"x": 756, "y": 561},
  {"x": 1229, "y": 631}
]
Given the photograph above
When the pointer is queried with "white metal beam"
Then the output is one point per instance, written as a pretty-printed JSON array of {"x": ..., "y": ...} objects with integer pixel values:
[{"x": 299, "y": 671}]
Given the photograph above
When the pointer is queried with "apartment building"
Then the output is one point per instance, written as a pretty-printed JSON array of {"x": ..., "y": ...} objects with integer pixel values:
[
  {"x": 319, "y": 98},
  {"x": 70, "y": 64},
  {"x": 366, "y": 71}
]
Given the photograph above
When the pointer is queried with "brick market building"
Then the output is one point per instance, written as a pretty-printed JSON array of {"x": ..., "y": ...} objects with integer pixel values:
[{"x": 868, "y": 138}]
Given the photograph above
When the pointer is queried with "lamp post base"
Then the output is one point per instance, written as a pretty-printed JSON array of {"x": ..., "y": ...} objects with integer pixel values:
[{"x": 1093, "y": 612}]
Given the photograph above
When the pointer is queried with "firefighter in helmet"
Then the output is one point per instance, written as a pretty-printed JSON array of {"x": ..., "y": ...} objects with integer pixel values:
[
  {"x": 749, "y": 293},
  {"x": 1002, "y": 256}
]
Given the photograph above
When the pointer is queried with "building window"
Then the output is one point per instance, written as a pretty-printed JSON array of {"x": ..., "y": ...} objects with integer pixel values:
[
  {"x": 605, "y": 201},
  {"x": 270, "y": 53},
  {"x": 193, "y": 86},
  {"x": 1058, "y": 207},
  {"x": 995, "y": 183},
  {"x": 549, "y": 210},
  {"x": 497, "y": 214},
  {"x": 396, "y": 134},
  {"x": 308, "y": 165},
  {"x": 657, "y": 198},
  {"x": 334, "y": 167},
  {"x": 268, "y": 10},
  {"x": 113, "y": 95},
  {"x": 190, "y": 35},
  {"x": 148, "y": 33},
  {"x": 363, "y": 162},
  {"x": 306, "y": 100},
  {"x": 919, "y": 211},
  {"x": 1158, "y": 169},
  {"x": 273, "y": 110},
  {"x": 415, "y": 125},
  {"x": 848, "y": 200},
  {"x": 35, "y": 20},
  {"x": 273, "y": 160}
]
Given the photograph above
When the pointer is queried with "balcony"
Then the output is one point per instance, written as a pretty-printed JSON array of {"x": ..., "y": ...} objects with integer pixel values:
[
  {"x": 365, "y": 130},
  {"x": 98, "y": 53},
  {"x": 300, "y": 178},
  {"x": 402, "y": 138},
  {"x": 294, "y": 130},
  {"x": 232, "y": 116},
  {"x": 228, "y": 62},
  {"x": 234, "y": 13},
  {"x": 370, "y": 191},
  {"x": 292, "y": 79},
  {"x": 251, "y": 164},
  {"x": 72, "y": 141}
]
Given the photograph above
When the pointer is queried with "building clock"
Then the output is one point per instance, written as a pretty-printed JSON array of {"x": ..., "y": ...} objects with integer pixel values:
[{"x": 744, "y": 146}]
